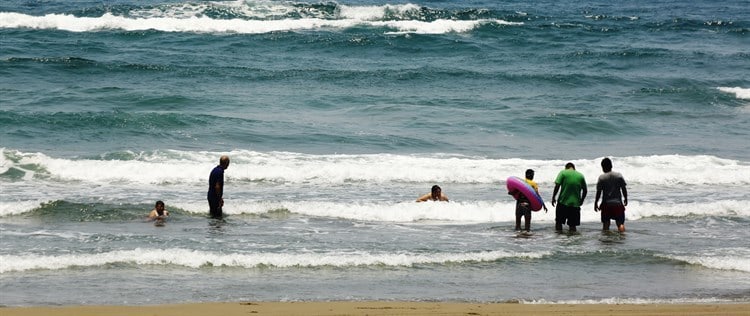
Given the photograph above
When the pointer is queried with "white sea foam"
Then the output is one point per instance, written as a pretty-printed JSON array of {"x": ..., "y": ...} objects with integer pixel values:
[
  {"x": 181, "y": 175},
  {"x": 470, "y": 212},
  {"x": 467, "y": 212},
  {"x": 738, "y": 260},
  {"x": 5, "y": 163},
  {"x": 204, "y": 24},
  {"x": 464, "y": 212},
  {"x": 638, "y": 210},
  {"x": 295, "y": 168},
  {"x": 740, "y": 93},
  {"x": 373, "y": 13},
  {"x": 77, "y": 236},
  {"x": 17, "y": 207},
  {"x": 198, "y": 259}
]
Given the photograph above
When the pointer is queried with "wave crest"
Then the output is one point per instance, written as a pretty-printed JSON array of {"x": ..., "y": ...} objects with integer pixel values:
[
  {"x": 199, "y": 259},
  {"x": 172, "y": 166},
  {"x": 740, "y": 93},
  {"x": 261, "y": 17}
]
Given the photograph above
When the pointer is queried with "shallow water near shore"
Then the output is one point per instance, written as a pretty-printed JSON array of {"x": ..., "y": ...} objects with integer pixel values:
[
  {"x": 284, "y": 256},
  {"x": 337, "y": 116}
]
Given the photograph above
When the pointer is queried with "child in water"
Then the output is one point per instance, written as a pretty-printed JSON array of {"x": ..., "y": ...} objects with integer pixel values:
[
  {"x": 158, "y": 213},
  {"x": 523, "y": 207}
]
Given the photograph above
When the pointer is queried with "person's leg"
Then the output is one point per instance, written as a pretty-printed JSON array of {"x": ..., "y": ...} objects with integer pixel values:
[
  {"x": 620, "y": 221},
  {"x": 559, "y": 217},
  {"x": 518, "y": 222},
  {"x": 214, "y": 208},
  {"x": 605, "y": 222},
  {"x": 527, "y": 220},
  {"x": 518, "y": 216},
  {"x": 574, "y": 218},
  {"x": 217, "y": 213},
  {"x": 604, "y": 217}
]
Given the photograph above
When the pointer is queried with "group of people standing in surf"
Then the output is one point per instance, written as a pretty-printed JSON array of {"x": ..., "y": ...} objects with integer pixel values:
[
  {"x": 569, "y": 183},
  {"x": 611, "y": 190}
]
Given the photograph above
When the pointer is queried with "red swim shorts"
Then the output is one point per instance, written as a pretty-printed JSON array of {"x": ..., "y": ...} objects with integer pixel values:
[{"x": 612, "y": 211}]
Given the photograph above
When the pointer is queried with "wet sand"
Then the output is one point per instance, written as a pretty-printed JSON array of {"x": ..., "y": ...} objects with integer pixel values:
[{"x": 382, "y": 308}]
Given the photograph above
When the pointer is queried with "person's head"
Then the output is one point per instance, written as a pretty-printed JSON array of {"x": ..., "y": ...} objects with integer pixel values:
[
  {"x": 530, "y": 174},
  {"x": 570, "y": 165},
  {"x": 224, "y": 161},
  {"x": 436, "y": 191},
  {"x": 606, "y": 165},
  {"x": 159, "y": 206}
]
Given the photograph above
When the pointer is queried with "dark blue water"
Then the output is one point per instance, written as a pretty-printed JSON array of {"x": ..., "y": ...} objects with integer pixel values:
[{"x": 562, "y": 74}]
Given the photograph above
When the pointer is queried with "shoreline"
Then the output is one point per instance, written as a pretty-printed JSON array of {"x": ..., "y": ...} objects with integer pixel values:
[{"x": 383, "y": 308}]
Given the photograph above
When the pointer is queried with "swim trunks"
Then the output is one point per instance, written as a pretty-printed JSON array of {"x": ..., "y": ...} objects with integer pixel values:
[
  {"x": 523, "y": 208},
  {"x": 567, "y": 214},
  {"x": 613, "y": 211}
]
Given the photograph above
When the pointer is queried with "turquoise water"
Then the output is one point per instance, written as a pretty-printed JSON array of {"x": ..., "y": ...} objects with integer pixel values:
[{"x": 336, "y": 116}]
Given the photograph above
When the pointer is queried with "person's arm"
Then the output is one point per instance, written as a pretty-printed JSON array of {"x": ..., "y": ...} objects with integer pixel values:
[
  {"x": 151, "y": 215},
  {"x": 444, "y": 197},
  {"x": 424, "y": 198},
  {"x": 219, "y": 188},
  {"x": 536, "y": 188},
  {"x": 596, "y": 199},
  {"x": 554, "y": 193},
  {"x": 584, "y": 191},
  {"x": 625, "y": 196}
]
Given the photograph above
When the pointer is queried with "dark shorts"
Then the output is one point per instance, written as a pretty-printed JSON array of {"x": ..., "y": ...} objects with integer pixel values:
[
  {"x": 567, "y": 215},
  {"x": 214, "y": 206},
  {"x": 523, "y": 209},
  {"x": 613, "y": 211}
]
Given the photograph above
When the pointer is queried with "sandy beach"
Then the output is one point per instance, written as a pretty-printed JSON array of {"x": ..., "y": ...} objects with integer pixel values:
[{"x": 383, "y": 308}]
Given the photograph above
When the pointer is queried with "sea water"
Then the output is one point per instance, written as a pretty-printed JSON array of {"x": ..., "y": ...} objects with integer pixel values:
[{"x": 337, "y": 116}]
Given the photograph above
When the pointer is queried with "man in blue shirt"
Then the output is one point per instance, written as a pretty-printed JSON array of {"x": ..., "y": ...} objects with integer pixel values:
[{"x": 216, "y": 188}]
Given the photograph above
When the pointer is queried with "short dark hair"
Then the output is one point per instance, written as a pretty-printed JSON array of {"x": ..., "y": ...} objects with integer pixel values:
[
  {"x": 570, "y": 165},
  {"x": 435, "y": 188},
  {"x": 159, "y": 203},
  {"x": 606, "y": 164},
  {"x": 530, "y": 174}
]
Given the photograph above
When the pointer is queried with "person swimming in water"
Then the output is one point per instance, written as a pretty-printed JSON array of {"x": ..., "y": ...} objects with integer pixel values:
[
  {"x": 158, "y": 213},
  {"x": 436, "y": 194}
]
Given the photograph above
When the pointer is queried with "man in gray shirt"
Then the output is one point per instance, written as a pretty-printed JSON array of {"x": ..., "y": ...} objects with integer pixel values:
[{"x": 608, "y": 188}]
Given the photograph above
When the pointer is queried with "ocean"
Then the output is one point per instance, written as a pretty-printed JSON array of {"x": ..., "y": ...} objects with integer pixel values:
[{"x": 336, "y": 116}]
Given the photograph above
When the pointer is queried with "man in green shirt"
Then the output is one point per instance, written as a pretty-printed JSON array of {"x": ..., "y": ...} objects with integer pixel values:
[{"x": 572, "y": 187}]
